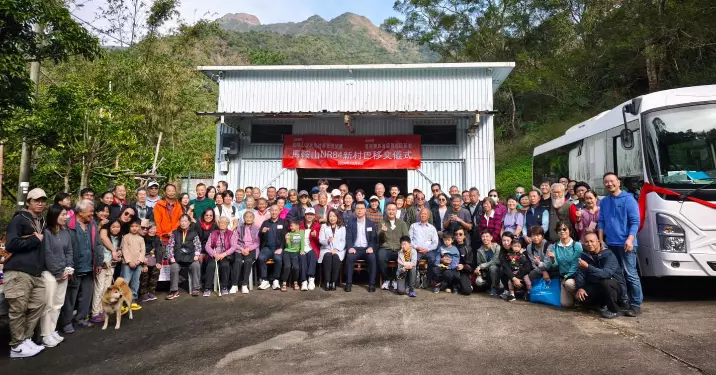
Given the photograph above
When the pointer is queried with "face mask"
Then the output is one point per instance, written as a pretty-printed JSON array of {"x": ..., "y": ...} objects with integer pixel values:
[{"x": 518, "y": 195}]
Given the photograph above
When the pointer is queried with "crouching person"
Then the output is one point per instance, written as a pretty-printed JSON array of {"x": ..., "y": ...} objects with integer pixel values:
[
  {"x": 487, "y": 258},
  {"x": 565, "y": 256},
  {"x": 515, "y": 271},
  {"x": 599, "y": 278},
  {"x": 219, "y": 251},
  {"x": 537, "y": 253},
  {"x": 446, "y": 262},
  {"x": 407, "y": 267},
  {"x": 245, "y": 242},
  {"x": 466, "y": 265},
  {"x": 183, "y": 250}
]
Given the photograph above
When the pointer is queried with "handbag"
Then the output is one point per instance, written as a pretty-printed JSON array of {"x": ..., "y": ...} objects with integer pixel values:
[{"x": 547, "y": 293}]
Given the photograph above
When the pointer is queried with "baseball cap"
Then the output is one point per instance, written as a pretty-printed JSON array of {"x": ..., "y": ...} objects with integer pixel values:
[
  {"x": 302, "y": 192},
  {"x": 36, "y": 193},
  {"x": 315, "y": 189},
  {"x": 335, "y": 192},
  {"x": 152, "y": 183},
  {"x": 373, "y": 197},
  {"x": 309, "y": 210}
]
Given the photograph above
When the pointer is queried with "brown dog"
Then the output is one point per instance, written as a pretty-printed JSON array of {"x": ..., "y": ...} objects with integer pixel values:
[{"x": 112, "y": 301}]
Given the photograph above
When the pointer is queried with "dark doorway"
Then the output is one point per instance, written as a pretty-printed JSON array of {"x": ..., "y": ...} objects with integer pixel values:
[{"x": 355, "y": 179}]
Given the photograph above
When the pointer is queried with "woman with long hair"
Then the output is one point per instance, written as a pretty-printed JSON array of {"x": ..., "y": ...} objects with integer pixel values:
[
  {"x": 292, "y": 198},
  {"x": 347, "y": 213},
  {"x": 333, "y": 249},
  {"x": 211, "y": 193},
  {"x": 184, "y": 201},
  {"x": 57, "y": 269},
  {"x": 126, "y": 215},
  {"x": 110, "y": 236}
]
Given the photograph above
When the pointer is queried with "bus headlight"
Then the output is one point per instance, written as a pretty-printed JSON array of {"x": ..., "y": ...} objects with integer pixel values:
[{"x": 672, "y": 237}]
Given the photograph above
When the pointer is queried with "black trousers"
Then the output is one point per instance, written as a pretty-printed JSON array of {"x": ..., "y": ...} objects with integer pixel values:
[
  {"x": 331, "y": 268},
  {"x": 449, "y": 278},
  {"x": 360, "y": 255},
  {"x": 291, "y": 266},
  {"x": 465, "y": 284},
  {"x": 80, "y": 290},
  {"x": 241, "y": 268},
  {"x": 605, "y": 292},
  {"x": 224, "y": 273}
]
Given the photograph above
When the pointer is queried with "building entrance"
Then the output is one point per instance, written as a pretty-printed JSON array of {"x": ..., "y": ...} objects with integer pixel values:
[{"x": 355, "y": 179}]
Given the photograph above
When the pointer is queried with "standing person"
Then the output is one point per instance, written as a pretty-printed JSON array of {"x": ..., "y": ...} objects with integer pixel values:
[
  {"x": 65, "y": 201},
  {"x": 118, "y": 201},
  {"x": 271, "y": 195},
  {"x": 133, "y": 260},
  {"x": 58, "y": 260},
  {"x": 282, "y": 193},
  {"x": 246, "y": 247},
  {"x": 292, "y": 198},
  {"x": 222, "y": 186},
  {"x": 344, "y": 190},
  {"x": 322, "y": 207},
  {"x": 409, "y": 200},
  {"x": 154, "y": 255},
  {"x": 87, "y": 194},
  {"x": 167, "y": 213},
  {"x": 219, "y": 250},
  {"x": 88, "y": 261},
  {"x": 211, "y": 193},
  {"x": 571, "y": 195},
  {"x": 465, "y": 198},
  {"x": 580, "y": 188},
  {"x": 361, "y": 240},
  {"x": 314, "y": 195},
  {"x": 347, "y": 208},
  {"x": 335, "y": 203},
  {"x": 524, "y": 204},
  {"x": 512, "y": 221},
  {"x": 412, "y": 213},
  {"x": 536, "y": 215},
  {"x": 256, "y": 193},
  {"x": 618, "y": 224},
  {"x": 184, "y": 204},
  {"x": 392, "y": 229},
  {"x": 183, "y": 250},
  {"x": 380, "y": 194},
  {"x": 440, "y": 214},
  {"x": 597, "y": 280},
  {"x": 565, "y": 255},
  {"x": 561, "y": 211},
  {"x": 424, "y": 239},
  {"x": 453, "y": 191},
  {"x": 273, "y": 241},
  {"x": 457, "y": 216},
  {"x": 360, "y": 197},
  {"x": 227, "y": 210},
  {"x": 407, "y": 268},
  {"x": 437, "y": 192},
  {"x": 490, "y": 220},
  {"x": 153, "y": 193},
  {"x": 546, "y": 194},
  {"x": 495, "y": 198},
  {"x": 474, "y": 207},
  {"x": 323, "y": 185},
  {"x": 110, "y": 236},
  {"x": 399, "y": 202},
  {"x": 262, "y": 212},
  {"x": 293, "y": 249},
  {"x": 141, "y": 208},
  {"x": 332, "y": 238},
  {"x": 239, "y": 199},
  {"x": 125, "y": 218},
  {"x": 298, "y": 210},
  {"x": 588, "y": 215},
  {"x": 308, "y": 261},
  {"x": 373, "y": 213},
  {"x": 281, "y": 203},
  {"x": 519, "y": 191},
  {"x": 201, "y": 202},
  {"x": 107, "y": 198},
  {"x": 394, "y": 192},
  {"x": 24, "y": 285}
]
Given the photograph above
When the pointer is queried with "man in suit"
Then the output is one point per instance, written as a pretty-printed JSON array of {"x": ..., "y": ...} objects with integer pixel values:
[{"x": 362, "y": 243}]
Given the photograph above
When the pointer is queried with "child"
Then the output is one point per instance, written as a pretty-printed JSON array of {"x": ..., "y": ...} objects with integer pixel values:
[
  {"x": 446, "y": 262},
  {"x": 407, "y": 263},
  {"x": 487, "y": 258},
  {"x": 104, "y": 279},
  {"x": 516, "y": 268},
  {"x": 133, "y": 253},
  {"x": 154, "y": 254},
  {"x": 294, "y": 245}
]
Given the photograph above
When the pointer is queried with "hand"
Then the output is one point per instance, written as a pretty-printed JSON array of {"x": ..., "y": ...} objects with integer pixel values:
[
  {"x": 196, "y": 257},
  {"x": 278, "y": 252},
  {"x": 61, "y": 278},
  {"x": 545, "y": 276},
  {"x": 369, "y": 250},
  {"x": 172, "y": 260},
  {"x": 220, "y": 256},
  {"x": 629, "y": 244},
  {"x": 245, "y": 251},
  {"x": 98, "y": 270},
  {"x": 159, "y": 266},
  {"x": 334, "y": 251},
  {"x": 264, "y": 229},
  {"x": 115, "y": 256},
  {"x": 550, "y": 254},
  {"x": 408, "y": 266},
  {"x": 579, "y": 214},
  {"x": 528, "y": 239},
  {"x": 581, "y": 295},
  {"x": 351, "y": 251},
  {"x": 516, "y": 282},
  {"x": 536, "y": 260},
  {"x": 104, "y": 222},
  {"x": 145, "y": 268},
  {"x": 330, "y": 239},
  {"x": 313, "y": 233},
  {"x": 422, "y": 250},
  {"x": 39, "y": 236},
  {"x": 477, "y": 271},
  {"x": 201, "y": 258},
  {"x": 384, "y": 228},
  {"x": 583, "y": 265},
  {"x": 459, "y": 267},
  {"x": 446, "y": 260}
]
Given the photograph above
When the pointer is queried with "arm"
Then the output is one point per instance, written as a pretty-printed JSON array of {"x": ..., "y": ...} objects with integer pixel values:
[
  {"x": 520, "y": 219},
  {"x": 323, "y": 236},
  {"x": 339, "y": 241},
  {"x": 579, "y": 278},
  {"x": 545, "y": 222},
  {"x": 434, "y": 239},
  {"x": 18, "y": 243},
  {"x": 610, "y": 268},
  {"x": 143, "y": 253},
  {"x": 69, "y": 253},
  {"x": 237, "y": 242},
  {"x": 53, "y": 262},
  {"x": 438, "y": 258},
  {"x": 106, "y": 242},
  {"x": 349, "y": 237},
  {"x": 573, "y": 214},
  {"x": 633, "y": 218},
  {"x": 601, "y": 222},
  {"x": 208, "y": 248},
  {"x": 413, "y": 235},
  {"x": 401, "y": 257}
]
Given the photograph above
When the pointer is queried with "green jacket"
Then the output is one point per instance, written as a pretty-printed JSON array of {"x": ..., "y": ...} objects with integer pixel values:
[
  {"x": 390, "y": 239},
  {"x": 481, "y": 257},
  {"x": 295, "y": 242},
  {"x": 200, "y": 206}
]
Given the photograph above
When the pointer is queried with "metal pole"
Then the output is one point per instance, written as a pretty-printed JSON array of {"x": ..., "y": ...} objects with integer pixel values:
[
  {"x": 2, "y": 163},
  {"x": 26, "y": 153}
]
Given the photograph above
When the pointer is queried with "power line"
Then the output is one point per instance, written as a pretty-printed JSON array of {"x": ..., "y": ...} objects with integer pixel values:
[{"x": 99, "y": 30}]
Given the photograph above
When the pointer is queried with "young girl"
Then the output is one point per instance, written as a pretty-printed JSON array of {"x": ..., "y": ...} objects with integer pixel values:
[
  {"x": 515, "y": 269},
  {"x": 294, "y": 246},
  {"x": 407, "y": 267},
  {"x": 133, "y": 260},
  {"x": 111, "y": 238},
  {"x": 333, "y": 249},
  {"x": 154, "y": 255}
]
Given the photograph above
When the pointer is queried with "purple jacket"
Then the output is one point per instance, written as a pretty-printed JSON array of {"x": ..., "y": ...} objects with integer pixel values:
[
  {"x": 213, "y": 242},
  {"x": 238, "y": 243}
]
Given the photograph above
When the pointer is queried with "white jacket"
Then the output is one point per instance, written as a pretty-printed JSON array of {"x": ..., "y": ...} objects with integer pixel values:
[{"x": 338, "y": 243}]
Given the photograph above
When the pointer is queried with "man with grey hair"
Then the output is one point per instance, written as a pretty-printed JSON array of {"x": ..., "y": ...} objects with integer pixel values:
[
  {"x": 380, "y": 193},
  {"x": 88, "y": 263},
  {"x": 561, "y": 211}
]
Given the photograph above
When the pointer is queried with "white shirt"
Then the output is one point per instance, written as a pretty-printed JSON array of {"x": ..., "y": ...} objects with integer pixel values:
[
  {"x": 424, "y": 236},
  {"x": 392, "y": 224},
  {"x": 361, "y": 241},
  {"x": 228, "y": 212}
]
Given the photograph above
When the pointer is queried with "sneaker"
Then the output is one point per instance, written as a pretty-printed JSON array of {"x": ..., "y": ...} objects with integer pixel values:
[
  {"x": 393, "y": 285},
  {"x": 624, "y": 305},
  {"x": 195, "y": 293},
  {"x": 49, "y": 341},
  {"x": 295, "y": 286},
  {"x": 23, "y": 351},
  {"x": 606, "y": 314},
  {"x": 448, "y": 290},
  {"x": 234, "y": 289},
  {"x": 275, "y": 285},
  {"x": 145, "y": 298},
  {"x": 151, "y": 297},
  {"x": 510, "y": 298},
  {"x": 124, "y": 309},
  {"x": 284, "y": 288},
  {"x": 311, "y": 283},
  {"x": 31, "y": 344},
  {"x": 264, "y": 285},
  {"x": 84, "y": 324},
  {"x": 412, "y": 294},
  {"x": 173, "y": 295},
  {"x": 99, "y": 318},
  {"x": 68, "y": 329},
  {"x": 57, "y": 337},
  {"x": 244, "y": 289},
  {"x": 207, "y": 293},
  {"x": 304, "y": 286},
  {"x": 136, "y": 307},
  {"x": 527, "y": 296},
  {"x": 386, "y": 285},
  {"x": 493, "y": 291},
  {"x": 224, "y": 291},
  {"x": 505, "y": 295},
  {"x": 436, "y": 289},
  {"x": 633, "y": 312}
]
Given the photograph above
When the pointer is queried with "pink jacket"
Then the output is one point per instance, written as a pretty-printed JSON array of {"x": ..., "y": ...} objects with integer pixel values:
[{"x": 213, "y": 242}]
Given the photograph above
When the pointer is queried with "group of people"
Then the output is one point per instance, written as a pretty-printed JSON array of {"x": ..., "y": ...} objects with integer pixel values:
[{"x": 61, "y": 263}]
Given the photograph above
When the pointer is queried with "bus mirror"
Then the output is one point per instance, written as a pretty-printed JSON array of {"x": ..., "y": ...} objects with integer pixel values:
[{"x": 627, "y": 137}]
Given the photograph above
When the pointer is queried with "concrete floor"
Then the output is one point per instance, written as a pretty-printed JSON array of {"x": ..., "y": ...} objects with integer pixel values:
[{"x": 269, "y": 332}]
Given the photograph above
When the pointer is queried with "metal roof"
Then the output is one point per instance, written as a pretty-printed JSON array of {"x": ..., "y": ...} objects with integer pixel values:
[{"x": 384, "y": 88}]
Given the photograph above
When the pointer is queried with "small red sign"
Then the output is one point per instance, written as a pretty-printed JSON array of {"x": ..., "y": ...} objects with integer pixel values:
[{"x": 351, "y": 152}]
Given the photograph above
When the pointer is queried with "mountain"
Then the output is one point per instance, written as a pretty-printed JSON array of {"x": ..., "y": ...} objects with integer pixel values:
[{"x": 348, "y": 38}]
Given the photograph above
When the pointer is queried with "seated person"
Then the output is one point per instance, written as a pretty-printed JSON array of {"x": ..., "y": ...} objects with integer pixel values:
[
  {"x": 361, "y": 242},
  {"x": 466, "y": 265},
  {"x": 487, "y": 258},
  {"x": 515, "y": 271},
  {"x": 219, "y": 251},
  {"x": 445, "y": 266},
  {"x": 407, "y": 267},
  {"x": 272, "y": 236},
  {"x": 183, "y": 250},
  {"x": 598, "y": 278}
]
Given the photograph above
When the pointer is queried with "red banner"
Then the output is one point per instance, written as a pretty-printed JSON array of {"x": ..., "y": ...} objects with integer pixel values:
[{"x": 351, "y": 152}]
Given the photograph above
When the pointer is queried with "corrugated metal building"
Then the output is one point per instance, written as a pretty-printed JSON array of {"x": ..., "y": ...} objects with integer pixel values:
[{"x": 450, "y": 105}]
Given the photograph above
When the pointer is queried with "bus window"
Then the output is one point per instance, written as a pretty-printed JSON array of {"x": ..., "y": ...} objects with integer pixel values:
[{"x": 551, "y": 165}]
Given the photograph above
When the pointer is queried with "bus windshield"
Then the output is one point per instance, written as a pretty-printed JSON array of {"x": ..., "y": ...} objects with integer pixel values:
[{"x": 680, "y": 147}]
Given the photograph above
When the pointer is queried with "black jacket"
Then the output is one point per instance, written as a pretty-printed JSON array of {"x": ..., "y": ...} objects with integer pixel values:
[
  {"x": 150, "y": 211},
  {"x": 513, "y": 265},
  {"x": 27, "y": 252},
  {"x": 601, "y": 266},
  {"x": 467, "y": 258},
  {"x": 371, "y": 236},
  {"x": 279, "y": 232},
  {"x": 204, "y": 234}
]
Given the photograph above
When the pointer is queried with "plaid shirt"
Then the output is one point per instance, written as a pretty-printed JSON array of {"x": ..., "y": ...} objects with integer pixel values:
[
  {"x": 493, "y": 224},
  {"x": 374, "y": 215}
]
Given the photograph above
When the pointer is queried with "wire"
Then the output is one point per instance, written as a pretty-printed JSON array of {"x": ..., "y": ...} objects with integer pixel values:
[{"x": 99, "y": 30}]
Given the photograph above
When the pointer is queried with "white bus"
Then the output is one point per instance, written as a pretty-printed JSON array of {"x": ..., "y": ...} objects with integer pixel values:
[{"x": 666, "y": 139}]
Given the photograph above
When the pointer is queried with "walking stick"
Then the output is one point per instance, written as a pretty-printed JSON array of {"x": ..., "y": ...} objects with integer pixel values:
[{"x": 217, "y": 289}]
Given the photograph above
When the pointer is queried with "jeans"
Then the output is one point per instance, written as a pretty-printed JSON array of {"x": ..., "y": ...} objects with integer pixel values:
[
  {"x": 79, "y": 289},
  {"x": 266, "y": 254},
  {"x": 194, "y": 276},
  {"x": 360, "y": 255},
  {"x": 385, "y": 256},
  {"x": 291, "y": 266},
  {"x": 224, "y": 272},
  {"x": 631, "y": 288},
  {"x": 331, "y": 267},
  {"x": 241, "y": 270},
  {"x": 131, "y": 276},
  {"x": 308, "y": 265}
]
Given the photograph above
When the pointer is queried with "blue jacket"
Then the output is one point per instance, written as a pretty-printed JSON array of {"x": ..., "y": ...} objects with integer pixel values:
[
  {"x": 619, "y": 218},
  {"x": 371, "y": 234},
  {"x": 452, "y": 252},
  {"x": 601, "y": 266}
]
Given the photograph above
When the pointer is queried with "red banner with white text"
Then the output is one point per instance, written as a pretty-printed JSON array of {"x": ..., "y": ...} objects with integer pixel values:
[{"x": 351, "y": 152}]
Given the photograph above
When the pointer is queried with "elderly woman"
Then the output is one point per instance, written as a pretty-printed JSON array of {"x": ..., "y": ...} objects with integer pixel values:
[
  {"x": 219, "y": 252},
  {"x": 245, "y": 243},
  {"x": 183, "y": 250},
  {"x": 322, "y": 207},
  {"x": 490, "y": 220},
  {"x": 333, "y": 249},
  {"x": 513, "y": 219},
  {"x": 565, "y": 254},
  {"x": 250, "y": 207},
  {"x": 588, "y": 216}
]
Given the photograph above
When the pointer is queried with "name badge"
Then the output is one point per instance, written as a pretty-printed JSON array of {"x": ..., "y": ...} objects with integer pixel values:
[
  {"x": 369, "y": 229},
  {"x": 279, "y": 227}
]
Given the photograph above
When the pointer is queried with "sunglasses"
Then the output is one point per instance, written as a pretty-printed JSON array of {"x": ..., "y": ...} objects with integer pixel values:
[
  {"x": 563, "y": 230},
  {"x": 127, "y": 214},
  {"x": 459, "y": 235},
  {"x": 442, "y": 200},
  {"x": 435, "y": 190},
  {"x": 145, "y": 228}
]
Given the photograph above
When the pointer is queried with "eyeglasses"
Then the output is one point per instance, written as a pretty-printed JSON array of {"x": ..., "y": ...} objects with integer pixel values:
[
  {"x": 459, "y": 235},
  {"x": 443, "y": 200},
  {"x": 145, "y": 228},
  {"x": 127, "y": 214}
]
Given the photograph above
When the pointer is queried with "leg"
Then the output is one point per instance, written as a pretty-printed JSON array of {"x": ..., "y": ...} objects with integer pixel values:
[
  {"x": 327, "y": 268},
  {"x": 437, "y": 274},
  {"x": 391, "y": 256},
  {"x": 224, "y": 272},
  {"x": 174, "y": 277},
  {"x": 311, "y": 262},
  {"x": 372, "y": 267},
  {"x": 153, "y": 279},
  {"x": 611, "y": 291},
  {"x": 410, "y": 279},
  {"x": 430, "y": 256},
  {"x": 286, "y": 269},
  {"x": 17, "y": 293},
  {"x": 632, "y": 277},
  {"x": 494, "y": 273},
  {"x": 304, "y": 266},
  {"x": 619, "y": 253},
  {"x": 235, "y": 269},
  {"x": 295, "y": 266},
  {"x": 383, "y": 264},
  {"x": 143, "y": 282},
  {"x": 210, "y": 272},
  {"x": 465, "y": 284},
  {"x": 349, "y": 262},
  {"x": 134, "y": 282},
  {"x": 51, "y": 286},
  {"x": 247, "y": 263},
  {"x": 335, "y": 267},
  {"x": 264, "y": 255},
  {"x": 85, "y": 299},
  {"x": 73, "y": 288},
  {"x": 278, "y": 265},
  {"x": 194, "y": 275},
  {"x": 36, "y": 306},
  {"x": 104, "y": 280},
  {"x": 567, "y": 293}
]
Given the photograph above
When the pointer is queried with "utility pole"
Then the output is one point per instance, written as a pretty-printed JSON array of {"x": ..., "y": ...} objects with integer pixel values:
[{"x": 24, "y": 176}]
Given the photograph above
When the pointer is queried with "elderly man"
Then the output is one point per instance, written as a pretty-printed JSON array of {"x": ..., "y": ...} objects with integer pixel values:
[
  {"x": 141, "y": 208},
  {"x": 167, "y": 213},
  {"x": 425, "y": 240},
  {"x": 599, "y": 278},
  {"x": 380, "y": 194},
  {"x": 457, "y": 217},
  {"x": 519, "y": 191},
  {"x": 221, "y": 186},
  {"x": 412, "y": 214},
  {"x": 272, "y": 236},
  {"x": 390, "y": 231},
  {"x": 361, "y": 240},
  {"x": 88, "y": 263},
  {"x": 474, "y": 207},
  {"x": 454, "y": 190},
  {"x": 561, "y": 211},
  {"x": 536, "y": 215},
  {"x": 24, "y": 286}
]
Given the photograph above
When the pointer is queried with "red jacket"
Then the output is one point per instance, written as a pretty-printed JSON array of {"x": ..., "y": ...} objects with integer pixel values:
[{"x": 315, "y": 231}]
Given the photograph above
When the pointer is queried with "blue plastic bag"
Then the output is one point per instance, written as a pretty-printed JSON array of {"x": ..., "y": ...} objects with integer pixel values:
[{"x": 547, "y": 293}]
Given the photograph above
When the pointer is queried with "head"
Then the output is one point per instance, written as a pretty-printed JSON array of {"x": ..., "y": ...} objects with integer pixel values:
[
  {"x": 135, "y": 226},
  {"x": 493, "y": 195},
  {"x": 379, "y": 190},
  {"x": 545, "y": 187},
  {"x": 323, "y": 198},
  {"x": 256, "y": 193},
  {"x": 535, "y": 197},
  {"x": 240, "y": 195},
  {"x": 293, "y": 196},
  {"x": 228, "y": 198},
  {"x": 314, "y": 193},
  {"x": 184, "y": 222},
  {"x": 323, "y": 185},
  {"x": 591, "y": 243},
  {"x": 447, "y": 239},
  {"x": 456, "y": 202},
  {"x": 87, "y": 194},
  {"x": 488, "y": 206},
  {"x": 200, "y": 190},
  {"x": 516, "y": 247},
  {"x": 141, "y": 195},
  {"x": 563, "y": 230},
  {"x": 274, "y": 211},
  {"x": 436, "y": 190},
  {"x": 344, "y": 189},
  {"x": 537, "y": 234},
  {"x": 64, "y": 200},
  {"x": 222, "y": 186},
  {"x": 612, "y": 183},
  {"x": 84, "y": 210},
  {"x": 409, "y": 200},
  {"x": 360, "y": 195},
  {"x": 580, "y": 188},
  {"x": 223, "y": 223},
  {"x": 248, "y": 218},
  {"x": 512, "y": 203},
  {"x": 519, "y": 191},
  {"x": 524, "y": 201},
  {"x": 391, "y": 211},
  {"x": 507, "y": 239},
  {"x": 459, "y": 236},
  {"x": 486, "y": 237},
  {"x": 170, "y": 192},
  {"x": 405, "y": 243},
  {"x": 208, "y": 216},
  {"x": 309, "y": 215},
  {"x": 143, "y": 226},
  {"x": 558, "y": 195},
  {"x": 400, "y": 201},
  {"x": 153, "y": 189},
  {"x": 442, "y": 201},
  {"x": 219, "y": 199},
  {"x": 424, "y": 215},
  {"x": 564, "y": 181},
  {"x": 120, "y": 192},
  {"x": 295, "y": 225},
  {"x": 466, "y": 196},
  {"x": 394, "y": 191},
  {"x": 374, "y": 204},
  {"x": 570, "y": 187},
  {"x": 348, "y": 201},
  {"x": 107, "y": 197},
  {"x": 250, "y": 203},
  {"x": 211, "y": 192},
  {"x": 101, "y": 211},
  {"x": 151, "y": 228},
  {"x": 249, "y": 190},
  {"x": 282, "y": 192},
  {"x": 56, "y": 217},
  {"x": 590, "y": 199},
  {"x": 303, "y": 198},
  {"x": 114, "y": 228},
  {"x": 360, "y": 209},
  {"x": 271, "y": 193},
  {"x": 336, "y": 196},
  {"x": 127, "y": 214},
  {"x": 419, "y": 199},
  {"x": 334, "y": 218},
  {"x": 454, "y": 190},
  {"x": 263, "y": 204},
  {"x": 281, "y": 203},
  {"x": 184, "y": 199},
  {"x": 474, "y": 195}
]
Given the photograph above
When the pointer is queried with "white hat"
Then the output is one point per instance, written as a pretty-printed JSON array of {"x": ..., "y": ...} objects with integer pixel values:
[
  {"x": 309, "y": 210},
  {"x": 373, "y": 197},
  {"x": 36, "y": 193},
  {"x": 335, "y": 193},
  {"x": 152, "y": 183}
]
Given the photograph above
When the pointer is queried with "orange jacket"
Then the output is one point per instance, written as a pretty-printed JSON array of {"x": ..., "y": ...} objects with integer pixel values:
[{"x": 166, "y": 223}]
